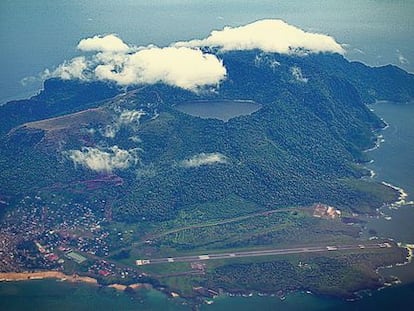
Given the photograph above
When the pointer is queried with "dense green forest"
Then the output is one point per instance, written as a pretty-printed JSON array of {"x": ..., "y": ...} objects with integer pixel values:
[
  {"x": 304, "y": 145},
  {"x": 337, "y": 276}
]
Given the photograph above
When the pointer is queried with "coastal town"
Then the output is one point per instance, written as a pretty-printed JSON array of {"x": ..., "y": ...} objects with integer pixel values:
[{"x": 36, "y": 237}]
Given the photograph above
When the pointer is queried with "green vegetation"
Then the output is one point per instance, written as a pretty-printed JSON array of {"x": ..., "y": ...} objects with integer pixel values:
[
  {"x": 331, "y": 273},
  {"x": 280, "y": 229},
  {"x": 374, "y": 194},
  {"x": 296, "y": 150},
  {"x": 305, "y": 145},
  {"x": 338, "y": 275}
]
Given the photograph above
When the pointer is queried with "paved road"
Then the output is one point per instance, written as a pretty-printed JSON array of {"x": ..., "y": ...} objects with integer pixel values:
[{"x": 268, "y": 252}]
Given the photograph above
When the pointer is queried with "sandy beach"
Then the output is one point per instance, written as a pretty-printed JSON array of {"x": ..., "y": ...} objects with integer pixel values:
[
  {"x": 118, "y": 286},
  {"x": 40, "y": 275},
  {"x": 24, "y": 276},
  {"x": 139, "y": 285}
]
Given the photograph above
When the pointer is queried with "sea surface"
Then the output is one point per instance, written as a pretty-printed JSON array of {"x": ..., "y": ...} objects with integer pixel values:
[
  {"x": 53, "y": 295},
  {"x": 393, "y": 163},
  {"x": 45, "y": 295},
  {"x": 41, "y": 34}
]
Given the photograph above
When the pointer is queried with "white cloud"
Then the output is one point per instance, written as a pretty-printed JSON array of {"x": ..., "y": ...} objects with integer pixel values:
[
  {"x": 269, "y": 35},
  {"x": 125, "y": 118},
  {"x": 263, "y": 59},
  {"x": 188, "y": 68},
  {"x": 183, "y": 67},
  {"x": 73, "y": 69},
  {"x": 297, "y": 74},
  {"x": 105, "y": 160},
  {"x": 110, "y": 130},
  {"x": 204, "y": 159},
  {"x": 183, "y": 64},
  {"x": 131, "y": 116},
  {"x": 30, "y": 80},
  {"x": 402, "y": 59},
  {"x": 108, "y": 43}
]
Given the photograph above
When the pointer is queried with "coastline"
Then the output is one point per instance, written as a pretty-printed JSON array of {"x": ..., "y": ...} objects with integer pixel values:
[
  {"x": 402, "y": 197},
  {"x": 73, "y": 278},
  {"x": 40, "y": 275},
  {"x": 379, "y": 140},
  {"x": 408, "y": 258},
  {"x": 135, "y": 286},
  {"x": 402, "y": 201}
]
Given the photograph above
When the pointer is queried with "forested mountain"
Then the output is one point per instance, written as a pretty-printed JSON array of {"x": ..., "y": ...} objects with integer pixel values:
[{"x": 304, "y": 145}]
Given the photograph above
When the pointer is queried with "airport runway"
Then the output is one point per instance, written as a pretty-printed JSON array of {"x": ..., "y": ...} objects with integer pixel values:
[{"x": 268, "y": 252}]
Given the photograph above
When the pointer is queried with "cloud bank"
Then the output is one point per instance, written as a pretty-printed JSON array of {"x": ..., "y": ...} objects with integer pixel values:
[
  {"x": 112, "y": 158},
  {"x": 184, "y": 64},
  {"x": 73, "y": 69},
  {"x": 269, "y": 35},
  {"x": 204, "y": 159},
  {"x": 184, "y": 67}
]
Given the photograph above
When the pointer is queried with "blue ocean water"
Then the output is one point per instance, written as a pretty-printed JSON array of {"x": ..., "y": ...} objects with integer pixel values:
[
  {"x": 45, "y": 295},
  {"x": 41, "y": 34}
]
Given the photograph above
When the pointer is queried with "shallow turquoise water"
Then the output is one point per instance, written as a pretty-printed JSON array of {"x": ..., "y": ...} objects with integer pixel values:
[
  {"x": 55, "y": 295},
  {"x": 45, "y": 295}
]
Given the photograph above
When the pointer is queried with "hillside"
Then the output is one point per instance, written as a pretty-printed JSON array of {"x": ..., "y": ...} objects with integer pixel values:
[
  {"x": 233, "y": 163},
  {"x": 303, "y": 146}
]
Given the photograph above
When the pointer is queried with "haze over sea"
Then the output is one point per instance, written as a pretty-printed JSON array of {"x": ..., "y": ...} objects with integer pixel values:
[{"x": 36, "y": 35}]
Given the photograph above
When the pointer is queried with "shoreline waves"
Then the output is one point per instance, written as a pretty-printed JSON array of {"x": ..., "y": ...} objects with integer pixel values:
[
  {"x": 40, "y": 275},
  {"x": 401, "y": 198},
  {"x": 60, "y": 276}
]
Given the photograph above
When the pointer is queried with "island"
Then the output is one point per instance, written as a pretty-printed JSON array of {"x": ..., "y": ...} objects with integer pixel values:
[{"x": 247, "y": 177}]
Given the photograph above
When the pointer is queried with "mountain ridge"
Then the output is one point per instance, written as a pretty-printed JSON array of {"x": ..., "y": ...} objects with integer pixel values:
[{"x": 307, "y": 138}]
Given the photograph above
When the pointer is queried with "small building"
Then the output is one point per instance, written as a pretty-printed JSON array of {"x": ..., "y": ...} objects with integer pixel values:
[
  {"x": 325, "y": 211},
  {"x": 104, "y": 272},
  {"x": 140, "y": 262},
  {"x": 52, "y": 257}
]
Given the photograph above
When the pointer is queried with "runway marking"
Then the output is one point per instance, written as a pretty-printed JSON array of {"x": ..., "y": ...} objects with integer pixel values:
[{"x": 267, "y": 252}]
